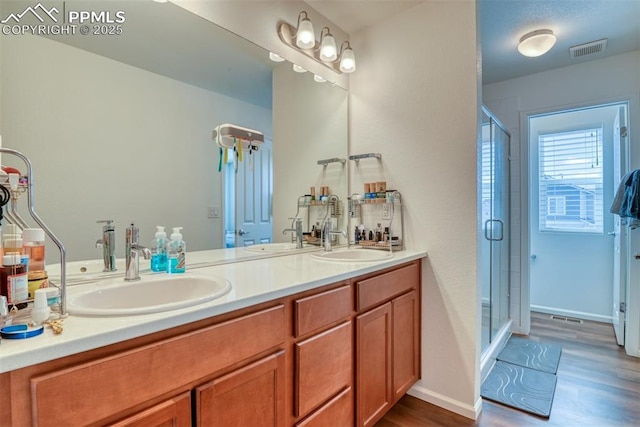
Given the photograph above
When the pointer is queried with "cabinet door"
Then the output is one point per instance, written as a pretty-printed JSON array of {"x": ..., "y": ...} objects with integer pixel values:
[
  {"x": 373, "y": 365},
  {"x": 406, "y": 343},
  {"x": 172, "y": 413},
  {"x": 249, "y": 396}
]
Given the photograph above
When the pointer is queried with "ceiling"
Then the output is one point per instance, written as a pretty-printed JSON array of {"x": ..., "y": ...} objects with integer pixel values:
[{"x": 503, "y": 22}]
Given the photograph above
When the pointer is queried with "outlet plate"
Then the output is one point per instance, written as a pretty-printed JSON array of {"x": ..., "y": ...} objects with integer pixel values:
[{"x": 386, "y": 211}]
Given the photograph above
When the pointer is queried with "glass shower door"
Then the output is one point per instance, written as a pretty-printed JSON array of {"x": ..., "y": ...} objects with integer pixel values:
[{"x": 494, "y": 245}]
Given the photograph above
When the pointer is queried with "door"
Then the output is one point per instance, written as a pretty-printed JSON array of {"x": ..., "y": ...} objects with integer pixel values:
[
  {"x": 572, "y": 179},
  {"x": 248, "y": 195},
  {"x": 619, "y": 232}
]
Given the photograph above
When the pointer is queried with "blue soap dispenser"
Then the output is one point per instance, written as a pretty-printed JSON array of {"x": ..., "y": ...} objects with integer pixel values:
[
  {"x": 176, "y": 250},
  {"x": 159, "y": 251}
]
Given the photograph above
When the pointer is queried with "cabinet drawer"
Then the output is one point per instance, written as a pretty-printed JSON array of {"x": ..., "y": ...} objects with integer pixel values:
[
  {"x": 324, "y": 366},
  {"x": 67, "y": 397},
  {"x": 316, "y": 311},
  {"x": 378, "y": 289},
  {"x": 337, "y": 412}
]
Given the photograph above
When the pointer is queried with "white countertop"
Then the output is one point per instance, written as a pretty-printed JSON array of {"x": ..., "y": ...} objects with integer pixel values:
[{"x": 254, "y": 280}]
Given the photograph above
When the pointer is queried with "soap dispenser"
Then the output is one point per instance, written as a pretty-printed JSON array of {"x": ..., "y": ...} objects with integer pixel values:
[
  {"x": 176, "y": 250},
  {"x": 159, "y": 250}
]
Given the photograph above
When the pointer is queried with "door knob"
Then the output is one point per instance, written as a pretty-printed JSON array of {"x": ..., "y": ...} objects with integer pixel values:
[
  {"x": 241, "y": 232},
  {"x": 611, "y": 233}
]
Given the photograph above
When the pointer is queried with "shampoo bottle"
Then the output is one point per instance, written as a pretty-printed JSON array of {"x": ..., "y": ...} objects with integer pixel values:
[
  {"x": 176, "y": 250},
  {"x": 159, "y": 251}
]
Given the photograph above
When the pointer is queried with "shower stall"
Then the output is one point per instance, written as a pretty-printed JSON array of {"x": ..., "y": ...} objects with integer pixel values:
[{"x": 494, "y": 227}]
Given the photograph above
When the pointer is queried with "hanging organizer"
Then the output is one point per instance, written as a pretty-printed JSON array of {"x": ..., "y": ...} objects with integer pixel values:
[
  {"x": 386, "y": 211},
  {"x": 25, "y": 184},
  {"x": 227, "y": 135}
]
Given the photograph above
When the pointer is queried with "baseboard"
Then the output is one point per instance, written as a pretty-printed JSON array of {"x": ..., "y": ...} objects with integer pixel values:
[
  {"x": 571, "y": 313},
  {"x": 468, "y": 411}
]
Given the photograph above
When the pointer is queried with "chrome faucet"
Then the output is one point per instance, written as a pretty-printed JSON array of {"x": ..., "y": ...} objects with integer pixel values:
[
  {"x": 327, "y": 225},
  {"x": 297, "y": 230},
  {"x": 108, "y": 244},
  {"x": 327, "y": 232},
  {"x": 132, "y": 254}
]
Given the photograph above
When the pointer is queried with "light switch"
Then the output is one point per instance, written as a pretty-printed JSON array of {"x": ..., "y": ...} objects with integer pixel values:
[{"x": 213, "y": 212}]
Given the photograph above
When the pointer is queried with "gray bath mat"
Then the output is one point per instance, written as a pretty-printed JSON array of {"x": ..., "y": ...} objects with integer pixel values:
[
  {"x": 519, "y": 387},
  {"x": 531, "y": 354}
]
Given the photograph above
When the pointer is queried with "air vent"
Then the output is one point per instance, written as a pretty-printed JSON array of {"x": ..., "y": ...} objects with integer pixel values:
[
  {"x": 588, "y": 48},
  {"x": 566, "y": 319}
]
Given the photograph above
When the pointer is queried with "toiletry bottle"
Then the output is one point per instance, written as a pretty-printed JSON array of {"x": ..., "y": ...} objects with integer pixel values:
[
  {"x": 11, "y": 239},
  {"x": 13, "y": 279},
  {"x": 33, "y": 246},
  {"x": 176, "y": 262},
  {"x": 379, "y": 233},
  {"x": 159, "y": 250}
]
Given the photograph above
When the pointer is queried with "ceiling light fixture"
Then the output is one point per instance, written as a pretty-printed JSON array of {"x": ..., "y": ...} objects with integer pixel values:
[
  {"x": 325, "y": 52},
  {"x": 536, "y": 43}
]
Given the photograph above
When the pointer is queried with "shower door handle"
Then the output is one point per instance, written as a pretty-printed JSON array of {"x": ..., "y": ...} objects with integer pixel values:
[{"x": 489, "y": 236}]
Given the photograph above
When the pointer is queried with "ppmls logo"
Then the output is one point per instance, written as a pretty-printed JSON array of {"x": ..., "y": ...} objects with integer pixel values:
[
  {"x": 38, "y": 11},
  {"x": 43, "y": 21}
]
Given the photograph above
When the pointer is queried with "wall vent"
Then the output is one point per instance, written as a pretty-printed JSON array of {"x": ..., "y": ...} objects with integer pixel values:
[
  {"x": 588, "y": 48},
  {"x": 566, "y": 319}
]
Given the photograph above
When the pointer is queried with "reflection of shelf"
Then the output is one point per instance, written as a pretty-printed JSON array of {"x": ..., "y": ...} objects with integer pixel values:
[{"x": 369, "y": 244}]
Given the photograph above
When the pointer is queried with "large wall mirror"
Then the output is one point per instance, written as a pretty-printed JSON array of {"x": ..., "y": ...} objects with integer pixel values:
[{"x": 119, "y": 126}]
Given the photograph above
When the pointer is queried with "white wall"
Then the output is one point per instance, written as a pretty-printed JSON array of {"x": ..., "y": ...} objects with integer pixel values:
[
  {"x": 414, "y": 99},
  {"x": 110, "y": 141},
  {"x": 309, "y": 124},
  {"x": 611, "y": 79}
]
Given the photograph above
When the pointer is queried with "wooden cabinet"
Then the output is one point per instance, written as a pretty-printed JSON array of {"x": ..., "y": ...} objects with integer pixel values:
[
  {"x": 338, "y": 356},
  {"x": 174, "y": 412},
  {"x": 323, "y": 354},
  {"x": 250, "y": 396},
  {"x": 387, "y": 341}
]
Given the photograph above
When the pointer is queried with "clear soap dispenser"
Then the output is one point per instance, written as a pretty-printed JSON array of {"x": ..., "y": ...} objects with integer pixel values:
[
  {"x": 176, "y": 250},
  {"x": 159, "y": 250}
]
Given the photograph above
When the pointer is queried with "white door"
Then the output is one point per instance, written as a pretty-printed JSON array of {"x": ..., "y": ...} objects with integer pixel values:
[
  {"x": 571, "y": 161},
  {"x": 619, "y": 233},
  {"x": 253, "y": 195}
]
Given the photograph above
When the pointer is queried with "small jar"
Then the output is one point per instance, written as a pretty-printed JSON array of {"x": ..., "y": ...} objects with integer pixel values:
[{"x": 38, "y": 279}]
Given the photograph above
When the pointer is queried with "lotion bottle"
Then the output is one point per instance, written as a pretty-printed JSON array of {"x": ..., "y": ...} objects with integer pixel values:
[
  {"x": 159, "y": 251},
  {"x": 176, "y": 249}
]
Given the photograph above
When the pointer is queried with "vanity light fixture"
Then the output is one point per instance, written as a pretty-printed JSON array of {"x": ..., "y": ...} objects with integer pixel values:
[
  {"x": 536, "y": 43},
  {"x": 305, "y": 36},
  {"x": 299, "y": 69},
  {"x": 319, "y": 79},
  {"x": 328, "y": 49},
  {"x": 275, "y": 57},
  {"x": 347, "y": 58},
  {"x": 325, "y": 52}
]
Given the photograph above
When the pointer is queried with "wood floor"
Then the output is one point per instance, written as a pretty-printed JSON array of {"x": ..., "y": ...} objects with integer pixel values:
[{"x": 598, "y": 385}]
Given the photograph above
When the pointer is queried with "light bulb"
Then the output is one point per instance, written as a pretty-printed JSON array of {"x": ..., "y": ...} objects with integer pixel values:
[
  {"x": 305, "y": 37},
  {"x": 328, "y": 50},
  {"x": 347, "y": 61},
  {"x": 275, "y": 57},
  {"x": 298, "y": 69}
]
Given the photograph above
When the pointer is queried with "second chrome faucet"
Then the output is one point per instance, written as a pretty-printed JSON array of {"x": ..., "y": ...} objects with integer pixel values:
[
  {"x": 108, "y": 244},
  {"x": 133, "y": 249}
]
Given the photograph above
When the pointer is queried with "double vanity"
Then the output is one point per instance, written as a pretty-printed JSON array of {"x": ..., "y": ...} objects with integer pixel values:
[{"x": 260, "y": 337}]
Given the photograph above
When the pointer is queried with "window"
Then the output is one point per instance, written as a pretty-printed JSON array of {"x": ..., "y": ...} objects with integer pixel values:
[{"x": 571, "y": 181}]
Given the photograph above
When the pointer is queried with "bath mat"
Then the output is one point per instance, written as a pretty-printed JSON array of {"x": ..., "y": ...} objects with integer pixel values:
[
  {"x": 521, "y": 388},
  {"x": 531, "y": 354}
]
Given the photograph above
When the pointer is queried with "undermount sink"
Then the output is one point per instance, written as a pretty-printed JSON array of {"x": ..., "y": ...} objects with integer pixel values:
[
  {"x": 353, "y": 255},
  {"x": 148, "y": 295},
  {"x": 271, "y": 248}
]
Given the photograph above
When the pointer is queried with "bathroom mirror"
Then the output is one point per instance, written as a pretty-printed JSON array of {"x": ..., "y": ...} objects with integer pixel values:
[{"x": 119, "y": 126}]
